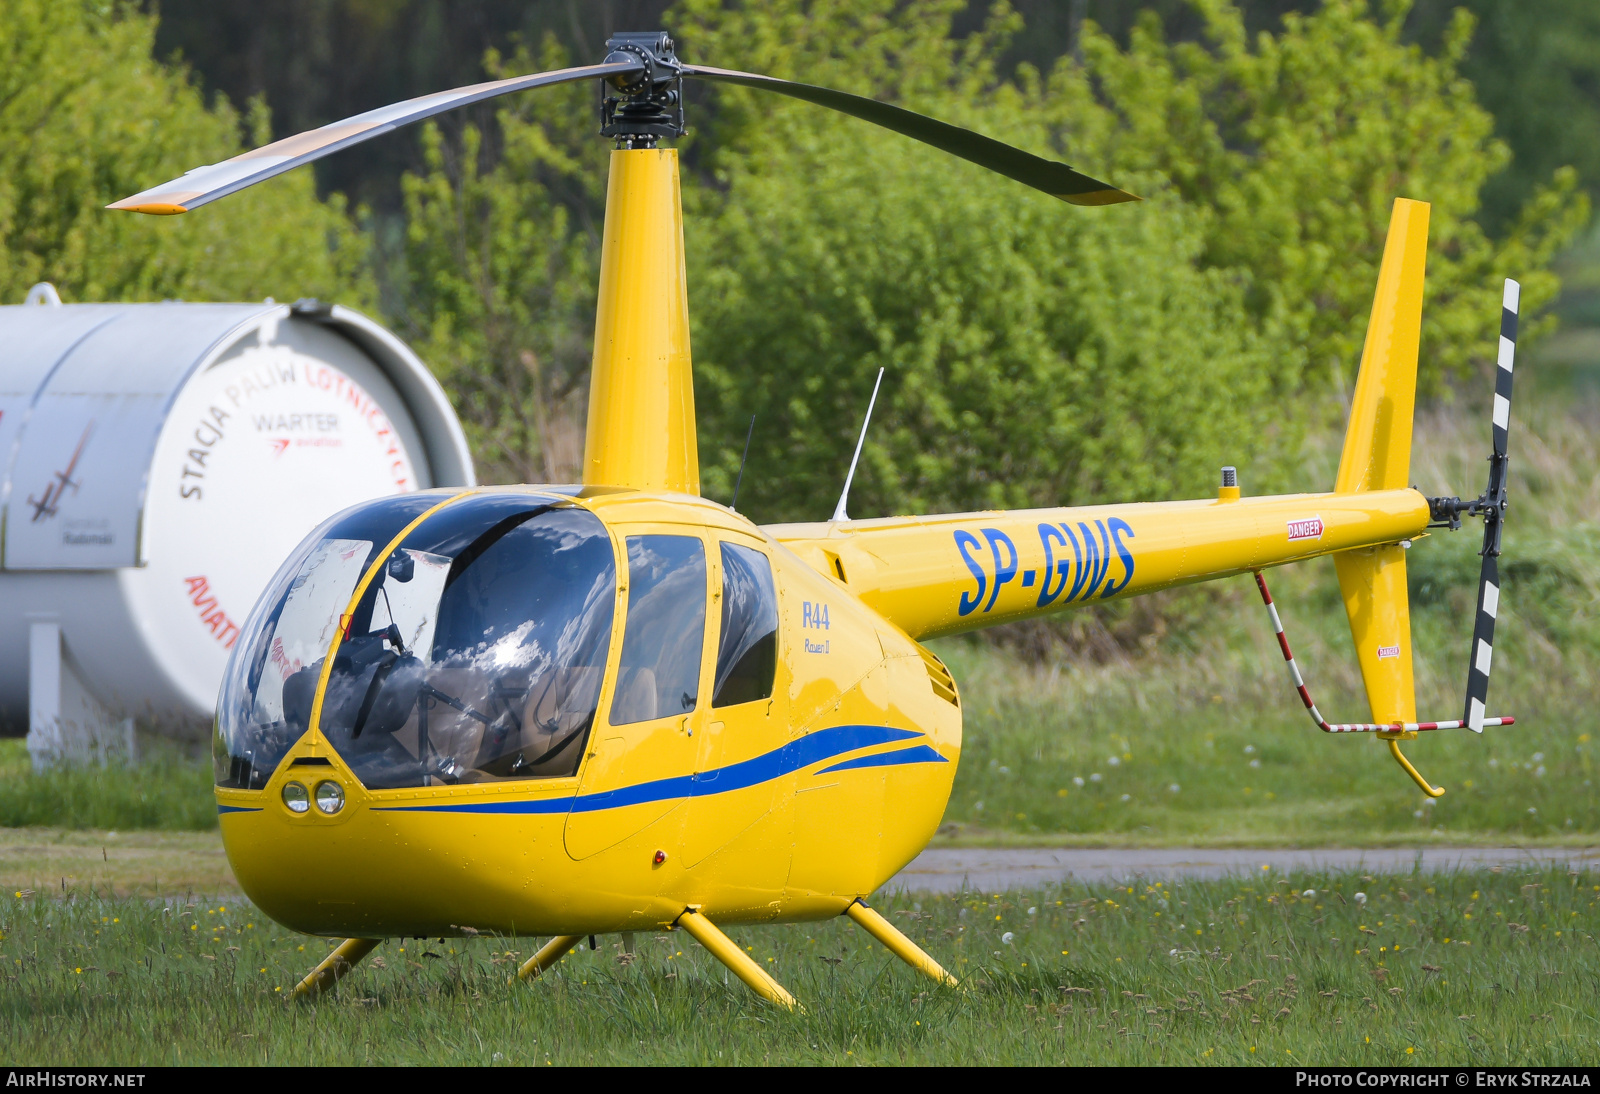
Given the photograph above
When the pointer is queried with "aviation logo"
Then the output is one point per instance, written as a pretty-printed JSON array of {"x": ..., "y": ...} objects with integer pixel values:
[
  {"x": 46, "y": 506},
  {"x": 1309, "y": 528},
  {"x": 1387, "y": 652}
]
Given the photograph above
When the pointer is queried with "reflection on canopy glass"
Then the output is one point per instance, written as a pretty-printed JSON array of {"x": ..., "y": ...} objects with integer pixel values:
[
  {"x": 747, "y": 652},
  {"x": 292, "y": 626},
  {"x": 475, "y": 653},
  {"x": 660, "y": 672}
]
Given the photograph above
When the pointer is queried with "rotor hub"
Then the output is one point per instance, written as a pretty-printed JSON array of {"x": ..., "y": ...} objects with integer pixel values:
[{"x": 640, "y": 107}]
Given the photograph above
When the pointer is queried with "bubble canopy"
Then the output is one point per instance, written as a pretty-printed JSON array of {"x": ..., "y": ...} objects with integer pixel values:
[{"x": 475, "y": 652}]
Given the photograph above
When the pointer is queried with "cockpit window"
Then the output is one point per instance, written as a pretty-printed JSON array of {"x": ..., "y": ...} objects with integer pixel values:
[
  {"x": 747, "y": 651},
  {"x": 476, "y": 652},
  {"x": 259, "y": 717},
  {"x": 660, "y": 672}
]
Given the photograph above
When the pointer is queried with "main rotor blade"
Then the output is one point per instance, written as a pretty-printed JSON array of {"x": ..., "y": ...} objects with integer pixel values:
[
  {"x": 1056, "y": 179},
  {"x": 207, "y": 184}
]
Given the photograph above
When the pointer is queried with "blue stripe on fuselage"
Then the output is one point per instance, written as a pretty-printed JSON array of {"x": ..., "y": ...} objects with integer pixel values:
[
  {"x": 237, "y": 809},
  {"x": 824, "y": 744},
  {"x": 917, "y": 754}
]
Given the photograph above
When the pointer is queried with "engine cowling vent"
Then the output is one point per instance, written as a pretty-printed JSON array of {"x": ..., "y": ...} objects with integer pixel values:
[{"x": 944, "y": 685}]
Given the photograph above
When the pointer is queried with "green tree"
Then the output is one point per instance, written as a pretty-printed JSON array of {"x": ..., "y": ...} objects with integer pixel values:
[
  {"x": 87, "y": 117},
  {"x": 499, "y": 273},
  {"x": 1299, "y": 142},
  {"x": 1537, "y": 69},
  {"x": 1040, "y": 353},
  {"x": 1036, "y": 353}
]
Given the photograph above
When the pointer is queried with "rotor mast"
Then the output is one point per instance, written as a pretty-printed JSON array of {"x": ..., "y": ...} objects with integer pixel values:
[{"x": 641, "y": 430}]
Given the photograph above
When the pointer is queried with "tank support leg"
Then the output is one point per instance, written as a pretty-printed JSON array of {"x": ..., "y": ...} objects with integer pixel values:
[
  {"x": 724, "y": 949},
  {"x": 553, "y": 951},
  {"x": 897, "y": 943},
  {"x": 345, "y": 957}
]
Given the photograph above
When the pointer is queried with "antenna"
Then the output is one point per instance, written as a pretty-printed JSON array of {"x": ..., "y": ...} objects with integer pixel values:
[
  {"x": 844, "y": 495},
  {"x": 751, "y": 432}
]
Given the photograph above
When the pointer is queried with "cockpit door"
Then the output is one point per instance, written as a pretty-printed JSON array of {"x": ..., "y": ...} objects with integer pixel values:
[
  {"x": 640, "y": 763},
  {"x": 741, "y": 767}
]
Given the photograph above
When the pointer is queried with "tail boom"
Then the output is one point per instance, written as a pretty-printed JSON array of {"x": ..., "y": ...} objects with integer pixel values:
[{"x": 939, "y": 575}]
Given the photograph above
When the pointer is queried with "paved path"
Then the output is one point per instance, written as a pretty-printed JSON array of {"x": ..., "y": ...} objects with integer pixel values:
[{"x": 949, "y": 870}]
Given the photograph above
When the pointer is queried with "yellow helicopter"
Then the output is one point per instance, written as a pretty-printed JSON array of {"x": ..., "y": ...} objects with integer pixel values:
[{"x": 619, "y": 706}]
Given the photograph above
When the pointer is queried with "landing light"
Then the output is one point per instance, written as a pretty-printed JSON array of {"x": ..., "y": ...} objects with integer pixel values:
[
  {"x": 330, "y": 797},
  {"x": 295, "y": 798}
]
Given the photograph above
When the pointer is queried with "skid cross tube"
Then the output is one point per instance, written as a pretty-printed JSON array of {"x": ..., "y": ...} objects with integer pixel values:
[
  {"x": 1393, "y": 731},
  {"x": 551, "y": 952},
  {"x": 346, "y": 956},
  {"x": 897, "y": 943},
  {"x": 727, "y": 951}
]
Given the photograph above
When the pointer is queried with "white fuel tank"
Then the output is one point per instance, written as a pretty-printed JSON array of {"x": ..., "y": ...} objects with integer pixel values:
[{"x": 157, "y": 463}]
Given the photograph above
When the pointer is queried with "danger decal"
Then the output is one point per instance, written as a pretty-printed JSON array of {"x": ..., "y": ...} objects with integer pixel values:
[{"x": 1308, "y": 528}]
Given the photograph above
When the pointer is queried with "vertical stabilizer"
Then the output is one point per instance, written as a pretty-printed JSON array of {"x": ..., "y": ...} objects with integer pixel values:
[
  {"x": 641, "y": 391},
  {"x": 1377, "y": 456}
]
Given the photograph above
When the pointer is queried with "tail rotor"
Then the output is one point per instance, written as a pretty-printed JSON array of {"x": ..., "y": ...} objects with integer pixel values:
[
  {"x": 1445, "y": 513},
  {"x": 1491, "y": 506}
]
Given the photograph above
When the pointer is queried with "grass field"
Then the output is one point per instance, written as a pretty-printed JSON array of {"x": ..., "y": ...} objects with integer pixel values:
[{"x": 1474, "y": 968}]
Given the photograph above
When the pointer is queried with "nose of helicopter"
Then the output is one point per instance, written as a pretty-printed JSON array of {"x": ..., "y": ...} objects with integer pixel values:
[{"x": 319, "y": 854}]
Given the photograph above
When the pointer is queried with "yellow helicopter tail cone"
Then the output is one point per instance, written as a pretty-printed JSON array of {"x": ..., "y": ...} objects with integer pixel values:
[{"x": 1377, "y": 456}]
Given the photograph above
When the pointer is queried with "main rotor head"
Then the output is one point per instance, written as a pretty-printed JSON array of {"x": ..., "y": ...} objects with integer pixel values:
[{"x": 639, "y": 106}]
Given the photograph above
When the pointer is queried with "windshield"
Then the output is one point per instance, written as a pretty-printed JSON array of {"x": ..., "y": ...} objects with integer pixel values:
[{"x": 475, "y": 653}]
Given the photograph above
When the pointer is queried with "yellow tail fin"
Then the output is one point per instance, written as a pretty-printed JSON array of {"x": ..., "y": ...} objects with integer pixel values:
[{"x": 1377, "y": 456}]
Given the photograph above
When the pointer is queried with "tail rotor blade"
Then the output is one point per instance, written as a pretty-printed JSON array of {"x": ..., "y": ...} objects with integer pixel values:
[
  {"x": 1482, "y": 644},
  {"x": 1507, "y": 357},
  {"x": 1493, "y": 507}
]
